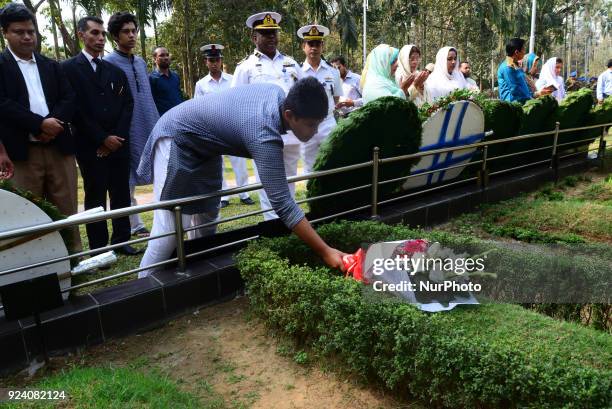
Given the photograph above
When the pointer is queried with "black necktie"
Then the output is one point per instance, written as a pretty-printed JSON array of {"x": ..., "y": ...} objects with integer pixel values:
[{"x": 97, "y": 61}]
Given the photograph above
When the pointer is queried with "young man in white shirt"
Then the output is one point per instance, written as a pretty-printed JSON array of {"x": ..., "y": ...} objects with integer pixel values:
[
  {"x": 351, "y": 89},
  {"x": 604, "y": 84}
]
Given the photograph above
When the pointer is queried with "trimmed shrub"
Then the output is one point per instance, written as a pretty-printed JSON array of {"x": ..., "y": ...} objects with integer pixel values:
[
  {"x": 489, "y": 356},
  {"x": 504, "y": 119},
  {"x": 573, "y": 112},
  {"x": 538, "y": 116},
  {"x": 600, "y": 114},
  {"x": 390, "y": 123}
]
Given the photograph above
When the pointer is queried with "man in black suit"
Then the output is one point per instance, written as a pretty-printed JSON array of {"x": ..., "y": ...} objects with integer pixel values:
[
  {"x": 36, "y": 107},
  {"x": 102, "y": 123}
]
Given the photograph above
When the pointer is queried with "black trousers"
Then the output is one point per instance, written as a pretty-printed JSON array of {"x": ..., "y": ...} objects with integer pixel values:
[{"x": 101, "y": 176}]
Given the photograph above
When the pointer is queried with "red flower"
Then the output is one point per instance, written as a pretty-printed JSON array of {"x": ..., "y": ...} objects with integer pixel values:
[
  {"x": 415, "y": 246},
  {"x": 354, "y": 264}
]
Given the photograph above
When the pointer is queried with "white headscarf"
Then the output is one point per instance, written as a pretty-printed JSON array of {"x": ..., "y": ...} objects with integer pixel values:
[
  {"x": 440, "y": 83},
  {"x": 548, "y": 77},
  {"x": 376, "y": 79},
  {"x": 403, "y": 64}
]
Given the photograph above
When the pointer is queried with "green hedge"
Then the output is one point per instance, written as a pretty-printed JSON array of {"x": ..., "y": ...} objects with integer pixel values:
[
  {"x": 573, "y": 112},
  {"x": 390, "y": 123},
  {"x": 504, "y": 119},
  {"x": 600, "y": 114},
  {"x": 538, "y": 116},
  {"x": 489, "y": 356}
]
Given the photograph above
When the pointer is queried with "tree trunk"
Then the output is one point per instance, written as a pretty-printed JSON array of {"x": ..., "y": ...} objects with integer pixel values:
[
  {"x": 189, "y": 80},
  {"x": 77, "y": 45},
  {"x": 566, "y": 65},
  {"x": 142, "y": 19},
  {"x": 71, "y": 47},
  {"x": 154, "y": 19},
  {"x": 424, "y": 49},
  {"x": 54, "y": 30},
  {"x": 571, "y": 45}
]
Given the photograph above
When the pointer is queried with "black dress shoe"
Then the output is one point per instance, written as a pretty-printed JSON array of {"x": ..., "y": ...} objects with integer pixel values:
[
  {"x": 128, "y": 250},
  {"x": 224, "y": 203},
  {"x": 247, "y": 201}
]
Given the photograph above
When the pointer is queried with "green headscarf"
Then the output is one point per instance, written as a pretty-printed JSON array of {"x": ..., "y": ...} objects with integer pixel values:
[{"x": 377, "y": 80}]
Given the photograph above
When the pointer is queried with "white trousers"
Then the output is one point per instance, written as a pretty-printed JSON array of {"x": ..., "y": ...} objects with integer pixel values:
[
  {"x": 163, "y": 220},
  {"x": 239, "y": 166},
  {"x": 291, "y": 156},
  {"x": 310, "y": 149},
  {"x": 135, "y": 220}
]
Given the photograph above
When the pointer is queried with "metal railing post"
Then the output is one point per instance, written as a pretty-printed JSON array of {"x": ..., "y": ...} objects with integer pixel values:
[
  {"x": 180, "y": 242},
  {"x": 375, "y": 160},
  {"x": 554, "y": 160},
  {"x": 483, "y": 174},
  {"x": 601, "y": 152}
]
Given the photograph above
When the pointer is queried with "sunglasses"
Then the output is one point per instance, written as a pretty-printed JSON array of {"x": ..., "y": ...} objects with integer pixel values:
[
  {"x": 314, "y": 43},
  {"x": 213, "y": 59}
]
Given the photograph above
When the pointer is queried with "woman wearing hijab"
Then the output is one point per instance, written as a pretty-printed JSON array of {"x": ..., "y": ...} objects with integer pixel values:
[
  {"x": 407, "y": 72},
  {"x": 551, "y": 79},
  {"x": 377, "y": 79},
  {"x": 532, "y": 70},
  {"x": 446, "y": 76}
]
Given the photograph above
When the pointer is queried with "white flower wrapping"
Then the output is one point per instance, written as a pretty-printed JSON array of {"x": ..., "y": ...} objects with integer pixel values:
[{"x": 426, "y": 274}]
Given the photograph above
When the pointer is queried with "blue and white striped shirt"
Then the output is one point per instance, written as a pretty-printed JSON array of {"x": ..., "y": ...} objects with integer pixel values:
[{"x": 244, "y": 121}]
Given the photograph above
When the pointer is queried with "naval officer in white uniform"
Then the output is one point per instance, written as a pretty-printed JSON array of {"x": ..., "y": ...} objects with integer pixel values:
[
  {"x": 315, "y": 66},
  {"x": 216, "y": 81},
  {"x": 268, "y": 65}
]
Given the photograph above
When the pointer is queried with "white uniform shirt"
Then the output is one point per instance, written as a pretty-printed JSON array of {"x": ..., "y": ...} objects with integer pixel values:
[
  {"x": 208, "y": 85},
  {"x": 352, "y": 90},
  {"x": 604, "y": 84},
  {"x": 329, "y": 77},
  {"x": 281, "y": 70}
]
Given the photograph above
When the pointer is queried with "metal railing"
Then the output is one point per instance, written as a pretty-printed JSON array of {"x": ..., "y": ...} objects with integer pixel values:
[{"x": 482, "y": 178}]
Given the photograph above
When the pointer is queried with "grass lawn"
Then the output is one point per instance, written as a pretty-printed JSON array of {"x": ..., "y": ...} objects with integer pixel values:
[
  {"x": 577, "y": 210},
  {"x": 203, "y": 360},
  {"x": 129, "y": 386}
]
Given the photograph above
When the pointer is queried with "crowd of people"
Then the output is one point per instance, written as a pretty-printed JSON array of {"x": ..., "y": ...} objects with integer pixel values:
[{"x": 126, "y": 127}]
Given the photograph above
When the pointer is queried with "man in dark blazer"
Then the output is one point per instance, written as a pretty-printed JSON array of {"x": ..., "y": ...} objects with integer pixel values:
[
  {"x": 36, "y": 107},
  {"x": 102, "y": 125}
]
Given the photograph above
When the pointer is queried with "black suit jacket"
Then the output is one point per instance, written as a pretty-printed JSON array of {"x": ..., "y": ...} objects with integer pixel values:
[
  {"x": 104, "y": 104},
  {"x": 17, "y": 122}
]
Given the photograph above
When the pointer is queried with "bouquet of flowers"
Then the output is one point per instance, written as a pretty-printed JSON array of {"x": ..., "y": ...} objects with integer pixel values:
[{"x": 429, "y": 275}]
